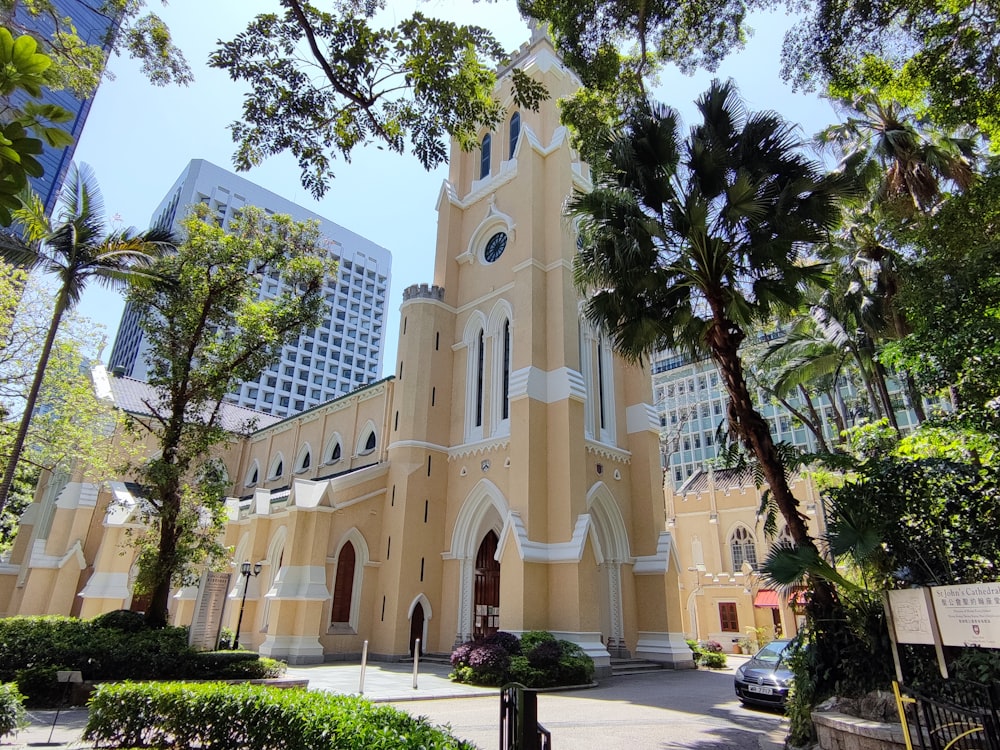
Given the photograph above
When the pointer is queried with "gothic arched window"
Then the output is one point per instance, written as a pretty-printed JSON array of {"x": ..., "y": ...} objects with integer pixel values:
[{"x": 743, "y": 548}]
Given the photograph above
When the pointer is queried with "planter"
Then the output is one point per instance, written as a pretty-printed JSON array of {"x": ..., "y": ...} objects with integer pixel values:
[{"x": 839, "y": 731}]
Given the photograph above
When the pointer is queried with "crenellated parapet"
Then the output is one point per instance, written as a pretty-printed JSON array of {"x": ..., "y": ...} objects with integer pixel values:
[{"x": 423, "y": 291}]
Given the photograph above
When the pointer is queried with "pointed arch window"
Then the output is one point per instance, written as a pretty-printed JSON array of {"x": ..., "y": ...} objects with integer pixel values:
[
  {"x": 601, "y": 395},
  {"x": 343, "y": 586},
  {"x": 304, "y": 461},
  {"x": 277, "y": 467},
  {"x": 484, "y": 157},
  {"x": 743, "y": 548},
  {"x": 505, "y": 375},
  {"x": 335, "y": 453},
  {"x": 515, "y": 131},
  {"x": 253, "y": 475},
  {"x": 370, "y": 442},
  {"x": 480, "y": 376}
]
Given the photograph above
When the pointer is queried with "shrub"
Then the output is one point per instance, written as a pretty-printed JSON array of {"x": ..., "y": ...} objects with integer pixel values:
[
  {"x": 12, "y": 714},
  {"x": 507, "y": 641},
  {"x": 537, "y": 660},
  {"x": 39, "y": 686},
  {"x": 121, "y": 619},
  {"x": 113, "y": 646},
  {"x": 714, "y": 660},
  {"x": 226, "y": 639},
  {"x": 575, "y": 666},
  {"x": 546, "y": 654},
  {"x": 221, "y": 717},
  {"x": 490, "y": 663},
  {"x": 234, "y": 665},
  {"x": 522, "y": 671},
  {"x": 711, "y": 647},
  {"x": 460, "y": 655},
  {"x": 532, "y": 638}
]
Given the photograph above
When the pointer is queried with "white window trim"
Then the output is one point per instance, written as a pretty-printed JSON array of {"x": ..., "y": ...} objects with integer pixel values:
[
  {"x": 272, "y": 472},
  {"x": 361, "y": 560}
]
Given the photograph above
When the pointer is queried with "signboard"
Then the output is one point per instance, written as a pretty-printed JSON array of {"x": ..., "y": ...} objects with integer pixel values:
[
  {"x": 209, "y": 608},
  {"x": 968, "y": 614},
  {"x": 911, "y": 616}
]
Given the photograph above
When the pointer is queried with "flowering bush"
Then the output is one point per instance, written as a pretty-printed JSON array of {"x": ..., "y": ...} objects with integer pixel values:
[
  {"x": 489, "y": 657},
  {"x": 507, "y": 641},
  {"x": 712, "y": 647},
  {"x": 545, "y": 654},
  {"x": 460, "y": 656},
  {"x": 537, "y": 659}
]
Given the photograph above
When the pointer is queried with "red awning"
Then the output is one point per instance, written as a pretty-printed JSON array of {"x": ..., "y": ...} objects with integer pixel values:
[{"x": 766, "y": 598}]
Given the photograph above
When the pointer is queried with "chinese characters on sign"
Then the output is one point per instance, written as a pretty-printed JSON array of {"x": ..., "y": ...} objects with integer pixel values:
[{"x": 968, "y": 614}]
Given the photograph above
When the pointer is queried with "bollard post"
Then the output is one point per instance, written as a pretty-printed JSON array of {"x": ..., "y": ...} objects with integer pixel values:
[
  {"x": 416, "y": 661},
  {"x": 364, "y": 663}
]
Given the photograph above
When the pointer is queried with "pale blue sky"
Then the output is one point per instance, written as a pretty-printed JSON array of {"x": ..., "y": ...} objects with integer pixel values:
[{"x": 139, "y": 138}]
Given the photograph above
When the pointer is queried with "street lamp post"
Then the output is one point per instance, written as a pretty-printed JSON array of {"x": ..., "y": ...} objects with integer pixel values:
[{"x": 246, "y": 570}]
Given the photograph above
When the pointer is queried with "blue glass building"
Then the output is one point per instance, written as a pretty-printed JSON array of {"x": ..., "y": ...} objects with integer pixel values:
[{"x": 95, "y": 28}]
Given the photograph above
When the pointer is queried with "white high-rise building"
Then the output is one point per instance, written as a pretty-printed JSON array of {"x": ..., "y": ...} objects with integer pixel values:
[
  {"x": 692, "y": 405},
  {"x": 342, "y": 353}
]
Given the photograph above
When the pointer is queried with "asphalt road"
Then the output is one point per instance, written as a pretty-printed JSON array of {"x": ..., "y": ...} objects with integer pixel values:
[{"x": 686, "y": 709}]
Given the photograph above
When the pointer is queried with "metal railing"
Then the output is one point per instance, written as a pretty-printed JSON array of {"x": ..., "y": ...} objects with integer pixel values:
[
  {"x": 519, "y": 727},
  {"x": 956, "y": 715}
]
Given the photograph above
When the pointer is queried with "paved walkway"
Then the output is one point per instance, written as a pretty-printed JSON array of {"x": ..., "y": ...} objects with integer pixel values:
[
  {"x": 662, "y": 710},
  {"x": 388, "y": 683}
]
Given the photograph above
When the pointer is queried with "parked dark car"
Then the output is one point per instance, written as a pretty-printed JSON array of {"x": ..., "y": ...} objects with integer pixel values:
[{"x": 765, "y": 679}]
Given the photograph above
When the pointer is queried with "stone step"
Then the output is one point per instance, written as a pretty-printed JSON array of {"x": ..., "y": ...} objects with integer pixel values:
[
  {"x": 624, "y": 667},
  {"x": 442, "y": 659}
]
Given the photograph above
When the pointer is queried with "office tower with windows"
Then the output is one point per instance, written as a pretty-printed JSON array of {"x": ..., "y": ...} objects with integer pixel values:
[
  {"x": 342, "y": 353},
  {"x": 692, "y": 404},
  {"x": 93, "y": 25}
]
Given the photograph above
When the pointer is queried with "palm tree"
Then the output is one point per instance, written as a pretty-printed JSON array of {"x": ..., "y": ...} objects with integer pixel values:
[
  {"x": 76, "y": 251},
  {"x": 904, "y": 163},
  {"x": 689, "y": 241},
  {"x": 900, "y": 157}
]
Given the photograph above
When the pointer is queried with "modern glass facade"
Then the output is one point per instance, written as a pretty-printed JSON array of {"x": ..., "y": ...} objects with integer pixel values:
[{"x": 93, "y": 27}]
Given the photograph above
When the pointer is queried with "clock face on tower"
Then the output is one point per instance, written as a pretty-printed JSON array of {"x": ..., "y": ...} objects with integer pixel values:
[{"x": 495, "y": 247}]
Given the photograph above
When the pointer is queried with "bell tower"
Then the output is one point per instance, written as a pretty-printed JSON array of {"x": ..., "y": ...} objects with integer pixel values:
[{"x": 524, "y": 456}]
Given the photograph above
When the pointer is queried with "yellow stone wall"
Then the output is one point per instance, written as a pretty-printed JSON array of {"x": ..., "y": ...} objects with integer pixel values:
[{"x": 576, "y": 503}]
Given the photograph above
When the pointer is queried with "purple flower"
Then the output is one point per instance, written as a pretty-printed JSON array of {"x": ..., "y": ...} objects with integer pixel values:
[{"x": 460, "y": 656}]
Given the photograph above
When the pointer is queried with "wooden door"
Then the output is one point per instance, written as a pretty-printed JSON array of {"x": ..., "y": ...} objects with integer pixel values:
[
  {"x": 486, "y": 609},
  {"x": 417, "y": 628}
]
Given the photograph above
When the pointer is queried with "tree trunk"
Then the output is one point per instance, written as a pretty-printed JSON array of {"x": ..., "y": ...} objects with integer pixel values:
[
  {"x": 746, "y": 422},
  {"x": 62, "y": 303},
  {"x": 168, "y": 495},
  {"x": 159, "y": 604},
  {"x": 916, "y": 400},
  {"x": 883, "y": 391},
  {"x": 816, "y": 423},
  {"x": 839, "y": 410},
  {"x": 724, "y": 341}
]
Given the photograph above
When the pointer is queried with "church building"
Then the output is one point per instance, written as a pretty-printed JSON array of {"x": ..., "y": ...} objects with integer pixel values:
[{"x": 507, "y": 476}]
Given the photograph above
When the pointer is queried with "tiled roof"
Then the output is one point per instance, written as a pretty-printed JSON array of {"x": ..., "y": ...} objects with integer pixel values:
[
  {"x": 723, "y": 479},
  {"x": 135, "y": 395}
]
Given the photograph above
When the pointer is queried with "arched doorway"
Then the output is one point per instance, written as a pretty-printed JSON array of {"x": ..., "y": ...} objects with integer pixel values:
[
  {"x": 486, "y": 606},
  {"x": 417, "y": 628}
]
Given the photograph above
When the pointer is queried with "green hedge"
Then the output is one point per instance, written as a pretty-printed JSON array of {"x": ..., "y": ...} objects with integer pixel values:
[
  {"x": 115, "y": 646},
  {"x": 12, "y": 713},
  {"x": 213, "y": 716}
]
